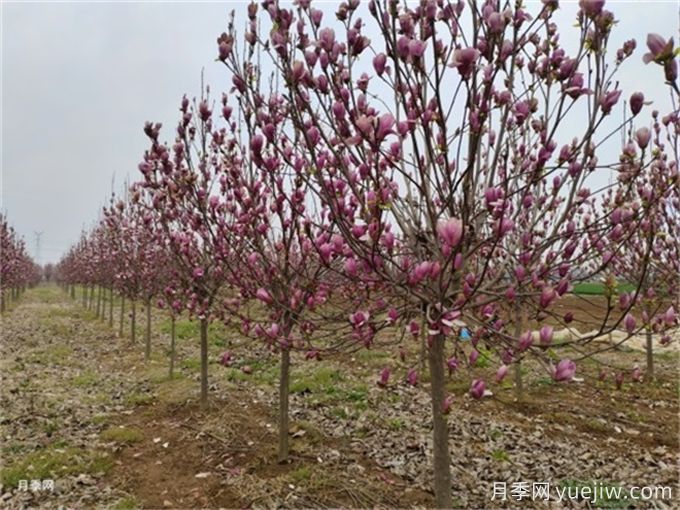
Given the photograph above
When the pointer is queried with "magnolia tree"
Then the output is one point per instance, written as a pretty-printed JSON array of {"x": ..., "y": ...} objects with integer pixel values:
[
  {"x": 289, "y": 292},
  {"x": 179, "y": 191},
  {"x": 648, "y": 210},
  {"x": 17, "y": 269},
  {"x": 446, "y": 153},
  {"x": 141, "y": 255}
]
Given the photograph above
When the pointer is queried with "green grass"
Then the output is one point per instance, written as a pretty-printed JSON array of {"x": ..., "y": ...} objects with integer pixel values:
[
  {"x": 187, "y": 329},
  {"x": 300, "y": 474},
  {"x": 84, "y": 379},
  {"x": 396, "y": 424},
  {"x": 137, "y": 398},
  {"x": 190, "y": 363},
  {"x": 322, "y": 380},
  {"x": 122, "y": 435},
  {"x": 54, "y": 462},
  {"x": 55, "y": 355},
  {"x": 500, "y": 455},
  {"x": 598, "y": 288}
]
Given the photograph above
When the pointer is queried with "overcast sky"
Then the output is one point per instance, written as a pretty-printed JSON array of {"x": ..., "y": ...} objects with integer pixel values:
[{"x": 80, "y": 79}]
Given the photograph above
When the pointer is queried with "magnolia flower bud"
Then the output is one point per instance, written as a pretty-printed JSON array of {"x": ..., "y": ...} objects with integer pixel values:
[
  {"x": 629, "y": 323},
  {"x": 642, "y": 137},
  {"x": 636, "y": 101},
  {"x": 384, "y": 377},
  {"x": 501, "y": 373},
  {"x": 412, "y": 377}
]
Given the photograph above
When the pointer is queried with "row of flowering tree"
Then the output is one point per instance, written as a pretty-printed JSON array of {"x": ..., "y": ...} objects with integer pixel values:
[
  {"x": 446, "y": 172},
  {"x": 442, "y": 151},
  {"x": 17, "y": 269}
]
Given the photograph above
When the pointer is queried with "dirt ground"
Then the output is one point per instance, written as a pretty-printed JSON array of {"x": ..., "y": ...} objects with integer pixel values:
[{"x": 82, "y": 408}]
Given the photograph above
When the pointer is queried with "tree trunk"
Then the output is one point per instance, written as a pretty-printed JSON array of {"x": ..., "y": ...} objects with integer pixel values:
[
  {"x": 519, "y": 387},
  {"x": 91, "y": 303},
  {"x": 284, "y": 379},
  {"x": 73, "y": 291},
  {"x": 204, "y": 363},
  {"x": 147, "y": 351},
  {"x": 2, "y": 301},
  {"x": 442, "y": 460},
  {"x": 122, "y": 316},
  {"x": 133, "y": 327},
  {"x": 172, "y": 347},
  {"x": 84, "y": 296},
  {"x": 650, "y": 356},
  {"x": 111, "y": 307},
  {"x": 99, "y": 301}
]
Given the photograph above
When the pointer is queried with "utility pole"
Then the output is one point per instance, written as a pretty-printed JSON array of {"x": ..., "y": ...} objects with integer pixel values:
[{"x": 37, "y": 235}]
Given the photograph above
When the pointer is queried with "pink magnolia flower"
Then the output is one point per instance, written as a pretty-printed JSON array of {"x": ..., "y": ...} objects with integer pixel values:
[
  {"x": 564, "y": 371},
  {"x": 525, "y": 341},
  {"x": 379, "y": 62},
  {"x": 226, "y": 359},
  {"x": 384, "y": 377},
  {"x": 477, "y": 388},
  {"x": 452, "y": 364},
  {"x": 670, "y": 316},
  {"x": 412, "y": 377},
  {"x": 474, "y": 355},
  {"x": 636, "y": 374},
  {"x": 464, "y": 60},
  {"x": 660, "y": 50},
  {"x": 629, "y": 323},
  {"x": 546, "y": 335},
  {"x": 446, "y": 405},
  {"x": 450, "y": 232},
  {"x": 359, "y": 318},
  {"x": 548, "y": 295},
  {"x": 608, "y": 100},
  {"x": 501, "y": 373},
  {"x": 618, "y": 380},
  {"x": 591, "y": 8},
  {"x": 263, "y": 296}
]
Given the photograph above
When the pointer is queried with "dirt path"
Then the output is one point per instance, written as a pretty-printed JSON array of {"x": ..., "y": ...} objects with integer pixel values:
[{"x": 81, "y": 407}]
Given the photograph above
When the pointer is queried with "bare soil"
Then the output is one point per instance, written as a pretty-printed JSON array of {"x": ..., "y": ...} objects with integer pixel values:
[{"x": 125, "y": 435}]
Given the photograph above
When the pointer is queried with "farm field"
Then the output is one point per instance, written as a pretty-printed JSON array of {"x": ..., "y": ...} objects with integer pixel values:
[{"x": 82, "y": 407}]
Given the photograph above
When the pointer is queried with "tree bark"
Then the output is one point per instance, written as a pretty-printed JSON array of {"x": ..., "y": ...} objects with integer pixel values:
[
  {"x": 442, "y": 459},
  {"x": 111, "y": 307},
  {"x": 284, "y": 379},
  {"x": 122, "y": 316},
  {"x": 147, "y": 350},
  {"x": 519, "y": 387},
  {"x": 99, "y": 301},
  {"x": 73, "y": 291},
  {"x": 84, "y": 296},
  {"x": 91, "y": 303},
  {"x": 172, "y": 347},
  {"x": 650, "y": 356},
  {"x": 204, "y": 363},
  {"x": 133, "y": 326},
  {"x": 2, "y": 301}
]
